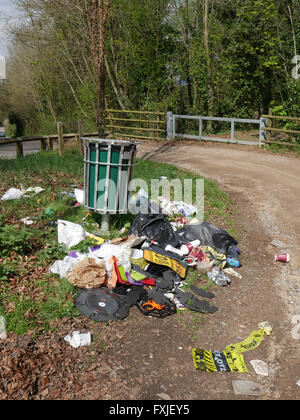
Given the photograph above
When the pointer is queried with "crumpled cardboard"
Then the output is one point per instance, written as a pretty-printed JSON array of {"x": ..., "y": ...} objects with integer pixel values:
[{"x": 88, "y": 274}]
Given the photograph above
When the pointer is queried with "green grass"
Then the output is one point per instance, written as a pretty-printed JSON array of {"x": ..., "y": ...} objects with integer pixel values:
[
  {"x": 284, "y": 150},
  {"x": 36, "y": 302},
  {"x": 41, "y": 313}
]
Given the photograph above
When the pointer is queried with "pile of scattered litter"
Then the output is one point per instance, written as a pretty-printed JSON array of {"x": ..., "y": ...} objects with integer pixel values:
[{"x": 148, "y": 267}]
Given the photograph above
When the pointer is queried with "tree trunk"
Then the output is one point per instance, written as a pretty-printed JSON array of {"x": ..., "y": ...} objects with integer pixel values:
[
  {"x": 101, "y": 100},
  {"x": 98, "y": 15},
  {"x": 210, "y": 93}
]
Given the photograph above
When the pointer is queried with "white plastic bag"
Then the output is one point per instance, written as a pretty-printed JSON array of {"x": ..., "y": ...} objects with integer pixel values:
[
  {"x": 27, "y": 221},
  {"x": 70, "y": 233},
  {"x": 78, "y": 339},
  {"x": 16, "y": 194},
  {"x": 36, "y": 190},
  {"x": 65, "y": 266},
  {"x": 122, "y": 253},
  {"x": 12, "y": 194}
]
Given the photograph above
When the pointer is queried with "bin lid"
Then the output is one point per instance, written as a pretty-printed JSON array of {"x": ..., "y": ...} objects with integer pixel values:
[{"x": 110, "y": 141}]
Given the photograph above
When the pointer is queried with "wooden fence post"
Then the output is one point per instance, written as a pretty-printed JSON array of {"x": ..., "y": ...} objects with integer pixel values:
[
  {"x": 49, "y": 143},
  {"x": 19, "y": 149},
  {"x": 60, "y": 138},
  {"x": 80, "y": 135},
  {"x": 43, "y": 144}
]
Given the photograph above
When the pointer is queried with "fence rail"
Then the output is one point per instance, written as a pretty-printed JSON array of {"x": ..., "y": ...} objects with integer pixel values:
[
  {"x": 171, "y": 128},
  {"x": 160, "y": 125},
  {"x": 270, "y": 128},
  {"x": 151, "y": 128},
  {"x": 46, "y": 142}
]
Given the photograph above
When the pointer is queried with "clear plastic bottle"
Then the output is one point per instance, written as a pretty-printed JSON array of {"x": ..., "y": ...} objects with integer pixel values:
[{"x": 205, "y": 266}]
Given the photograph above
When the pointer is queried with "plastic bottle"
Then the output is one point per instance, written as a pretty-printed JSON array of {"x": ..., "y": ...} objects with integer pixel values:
[
  {"x": 172, "y": 249},
  {"x": 204, "y": 266}
]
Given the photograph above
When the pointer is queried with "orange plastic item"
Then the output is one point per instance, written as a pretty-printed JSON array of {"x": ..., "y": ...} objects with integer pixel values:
[{"x": 151, "y": 304}]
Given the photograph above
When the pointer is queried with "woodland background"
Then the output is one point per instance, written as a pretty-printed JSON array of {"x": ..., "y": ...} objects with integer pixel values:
[{"x": 199, "y": 57}]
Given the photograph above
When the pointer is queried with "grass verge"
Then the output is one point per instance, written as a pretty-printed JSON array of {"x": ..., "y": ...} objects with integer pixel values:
[{"x": 30, "y": 298}]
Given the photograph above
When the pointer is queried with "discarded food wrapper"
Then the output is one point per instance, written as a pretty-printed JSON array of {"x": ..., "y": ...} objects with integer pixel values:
[
  {"x": 233, "y": 262},
  {"x": 241, "y": 387},
  {"x": 218, "y": 277},
  {"x": 78, "y": 339},
  {"x": 177, "y": 207},
  {"x": 265, "y": 326},
  {"x": 260, "y": 367},
  {"x": 87, "y": 274},
  {"x": 232, "y": 272},
  {"x": 219, "y": 257},
  {"x": 277, "y": 244},
  {"x": 129, "y": 241}
]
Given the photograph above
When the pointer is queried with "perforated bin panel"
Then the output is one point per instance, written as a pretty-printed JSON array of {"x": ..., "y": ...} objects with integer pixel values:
[{"x": 108, "y": 169}]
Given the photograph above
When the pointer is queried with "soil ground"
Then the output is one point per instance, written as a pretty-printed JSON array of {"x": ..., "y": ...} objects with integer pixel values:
[{"x": 142, "y": 358}]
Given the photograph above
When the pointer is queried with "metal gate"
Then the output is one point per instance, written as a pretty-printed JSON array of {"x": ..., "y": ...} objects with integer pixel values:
[{"x": 172, "y": 134}]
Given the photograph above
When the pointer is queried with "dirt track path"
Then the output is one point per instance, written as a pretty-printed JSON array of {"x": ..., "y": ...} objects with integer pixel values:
[
  {"x": 266, "y": 191},
  {"x": 144, "y": 358}
]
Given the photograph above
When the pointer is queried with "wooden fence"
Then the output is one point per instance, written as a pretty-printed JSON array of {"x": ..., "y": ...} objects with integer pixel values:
[
  {"x": 145, "y": 125},
  {"x": 272, "y": 126},
  {"x": 46, "y": 142},
  {"x": 136, "y": 124}
]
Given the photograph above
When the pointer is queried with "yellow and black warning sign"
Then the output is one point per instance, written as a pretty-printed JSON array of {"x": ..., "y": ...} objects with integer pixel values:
[{"x": 178, "y": 266}]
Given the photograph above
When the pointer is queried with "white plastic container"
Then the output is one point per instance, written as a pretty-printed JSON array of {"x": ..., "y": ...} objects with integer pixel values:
[{"x": 186, "y": 249}]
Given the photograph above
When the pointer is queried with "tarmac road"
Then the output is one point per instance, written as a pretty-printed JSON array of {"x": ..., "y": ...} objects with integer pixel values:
[{"x": 9, "y": 150}]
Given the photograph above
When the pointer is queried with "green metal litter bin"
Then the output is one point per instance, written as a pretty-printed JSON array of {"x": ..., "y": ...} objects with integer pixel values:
[{"x": 108, "y": 170}]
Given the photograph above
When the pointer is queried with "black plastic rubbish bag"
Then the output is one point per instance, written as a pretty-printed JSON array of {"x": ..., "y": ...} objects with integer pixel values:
[
  {"x": 156, "y": 228},
  {"x": 209, "y": 235}
]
